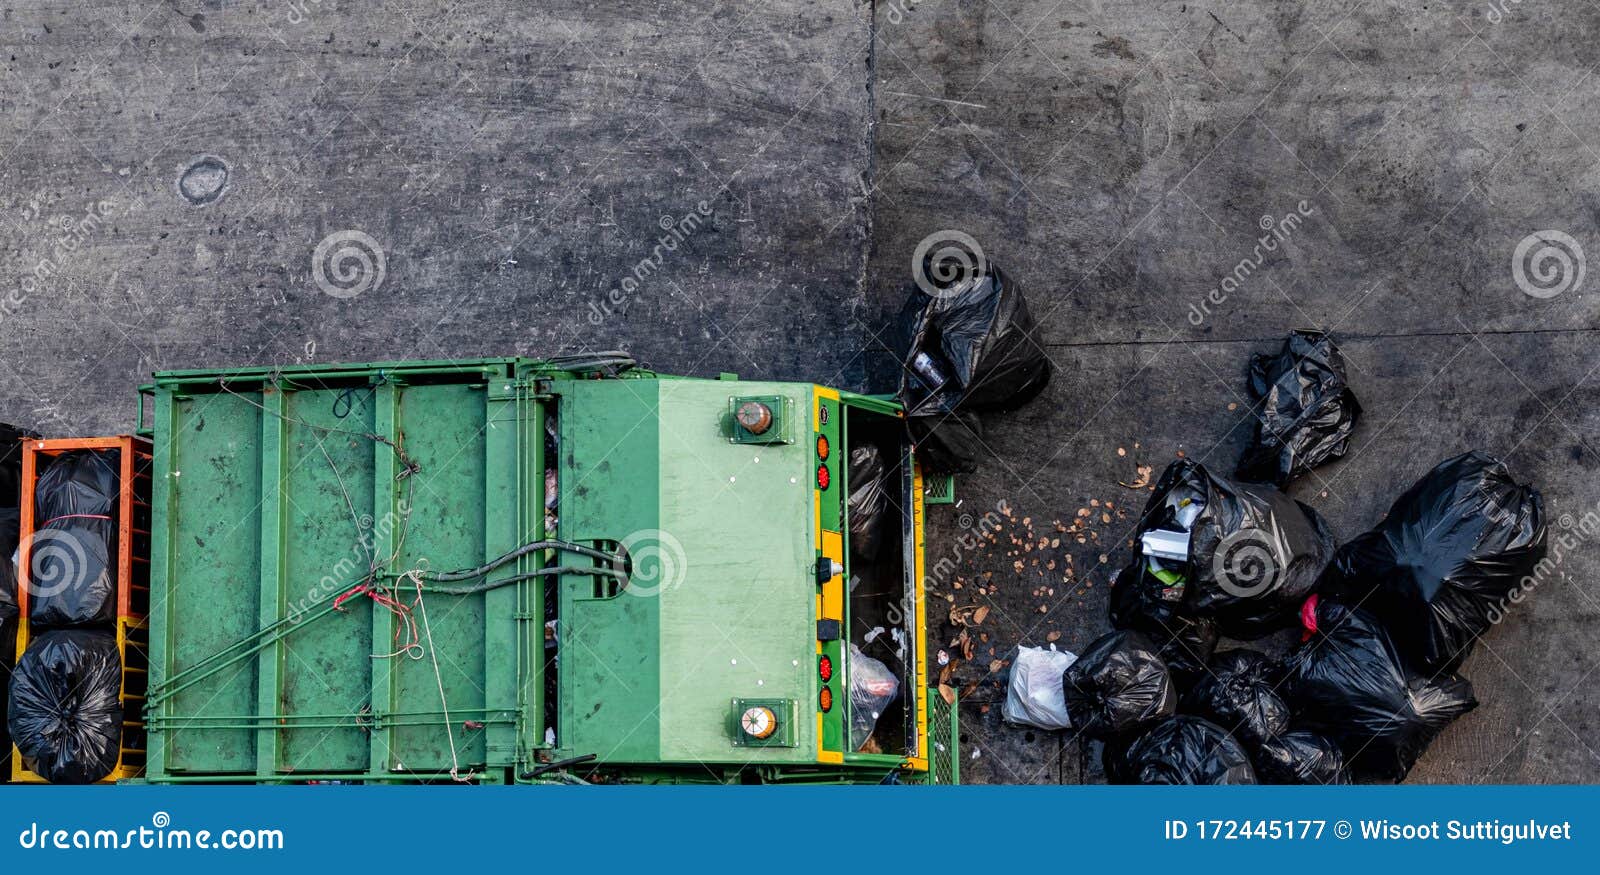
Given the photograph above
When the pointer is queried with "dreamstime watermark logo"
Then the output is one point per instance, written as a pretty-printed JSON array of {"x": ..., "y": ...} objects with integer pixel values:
[
  {"x": 1574, "y": 533},
  {"x": 676, "y": 230},
  {"x": 974, "y": 535},
  {"x": 1278, "y": 231},
  {"x": 300, "y": 10},
  {"x": 356, "y": 563},
  {"x": 1246, "y": 563},
  {"x": 897, "y": 10},
  {"x": 347, "y": 263},
  {"x": 159, "y": 835},
  {"x": 1548, "y": 263},
  {"x": 58, "y": 561},
  {"x": 657, "y": 563},
  {"x": 70, "y": 233},
  {"x": 1499, "y": 9},
  {"x": 946, "y": 261}
]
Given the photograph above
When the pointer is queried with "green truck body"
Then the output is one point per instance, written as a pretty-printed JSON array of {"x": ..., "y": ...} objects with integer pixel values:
[{"x": 306, "y": 623}]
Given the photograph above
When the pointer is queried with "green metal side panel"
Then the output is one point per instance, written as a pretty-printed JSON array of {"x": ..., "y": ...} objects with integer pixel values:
[
  {"x": 740, "y": 621},
  {"x": 272, "y": 503},
  {"x": 217, "y": 556},
  {"x": 609, "y": 678},
  {"x": 444, "y": 428},
  {"x": 323, "y": 667}
]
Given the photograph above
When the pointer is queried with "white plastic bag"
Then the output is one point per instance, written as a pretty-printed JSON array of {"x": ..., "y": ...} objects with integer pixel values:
[
  {"x": 1035, "y": 697},
  {"x": 872, "y": 688}
]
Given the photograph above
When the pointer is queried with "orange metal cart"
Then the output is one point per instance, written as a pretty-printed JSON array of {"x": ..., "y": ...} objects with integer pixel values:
[{"x": 132, "y": 583}]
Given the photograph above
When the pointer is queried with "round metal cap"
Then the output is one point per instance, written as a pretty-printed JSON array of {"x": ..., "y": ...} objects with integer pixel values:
[
  {"x": 758, "y": 722},
  {"x": 755, "y": 417}
]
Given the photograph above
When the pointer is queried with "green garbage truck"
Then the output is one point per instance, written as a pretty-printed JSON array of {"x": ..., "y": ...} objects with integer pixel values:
[{"x": 509, "y": 570}]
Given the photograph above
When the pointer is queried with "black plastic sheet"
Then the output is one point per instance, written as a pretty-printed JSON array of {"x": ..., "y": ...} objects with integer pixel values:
[
  {"x": 10, "y": 520},
  {"x": 11, "y": 439},
  {"x": 969, "y": 346},
  {"x": 1146, "y": 605},
  {"x": 65, "y": 706},
  {"x": 869, "y": 498},
  {"x": 8, "y": 659},
  {"x": 1307, "y": 409},
  {"x": 1254, "y": 553},
  {"x": 1118, "y": 685},
  {"x": 1240, "y": 694},
  {"x": 1182, "y": 750},
  {"x": 1300, "y": 757},
  {"x": 73, "y": 573},
  {"x": 1448, "y": 560},
  {"x": 1349, "y": 682}
]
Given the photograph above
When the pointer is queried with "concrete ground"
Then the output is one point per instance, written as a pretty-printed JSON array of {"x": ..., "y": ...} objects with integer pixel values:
[
  {"x": 194, "y": 183},
  {"x": 1122, "y": 158}
]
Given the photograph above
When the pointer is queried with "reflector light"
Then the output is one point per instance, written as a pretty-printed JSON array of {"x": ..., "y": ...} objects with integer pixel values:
[
  {"x": 823, "y": 477},
  {"x": 825, "y": 669},
  {"x": 825, "y": 699}
]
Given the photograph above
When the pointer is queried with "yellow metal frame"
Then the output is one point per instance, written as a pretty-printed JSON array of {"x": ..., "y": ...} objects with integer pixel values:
[
  {"x": 920, "y": 599},
  {"x": 131, "y": 634},
  {"x": 830, "y": 600}
]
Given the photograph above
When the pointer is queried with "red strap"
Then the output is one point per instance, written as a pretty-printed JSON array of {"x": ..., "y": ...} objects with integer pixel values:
[
  {"x": 75, "y": 516},
  {"x": 358, "y": 589}
]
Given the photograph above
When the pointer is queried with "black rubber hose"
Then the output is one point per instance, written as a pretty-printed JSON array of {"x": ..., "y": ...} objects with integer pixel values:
[
  {"x": 525, "y": 549},
  {"x": 518, "y": 578},
  {"x": 558, "y": 764}
]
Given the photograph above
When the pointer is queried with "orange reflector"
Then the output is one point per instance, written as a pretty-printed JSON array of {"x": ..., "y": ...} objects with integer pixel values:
[
  {"x": 822, "y": 446},
  {"x": 825, "y": 669},
  {"x": 825, "y": 699},
  {"x": 823, "y": 477}
]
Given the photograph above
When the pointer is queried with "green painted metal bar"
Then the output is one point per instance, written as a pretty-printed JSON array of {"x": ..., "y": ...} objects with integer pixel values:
[
  {"x": 274, "y": 510},
  {"x": 162, "y": 544},
  {"x": 489, "y": 367},
  {"x": 501, "y": 513},
  {"x": 531, "y": 595},
  {"x": 387, "y": 495}
]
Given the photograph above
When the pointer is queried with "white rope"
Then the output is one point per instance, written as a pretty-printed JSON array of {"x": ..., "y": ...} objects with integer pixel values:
[{"x": 449, "y": 726}]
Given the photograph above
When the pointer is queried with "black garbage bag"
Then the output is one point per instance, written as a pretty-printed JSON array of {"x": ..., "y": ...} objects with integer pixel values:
[
  {"x": 951, "y": 443},
  {"x": 869, "y": 498},
  {"x": 1300, "y": 757},
  {"x": 65, "y": 706},
  {"x": 73, "y": 573},
  {"x": 1441, "y": 567},
  {"x": 1240, "y": 694},
  {"x": 1118, "y": 685},
  {"x": 1144, "y": 604},
  {"x": 8, "y": 659},
  {"x": 1254, "y": 553},
  {"x": 11, "y": 439},
  {"x": 1307, "y": 409},
  {"x": 10, "y": 521},
  {"x": 1349, "y": 682},
  {"x": 1182, "y": 750},
  {"x": 970, "y": 346}
]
